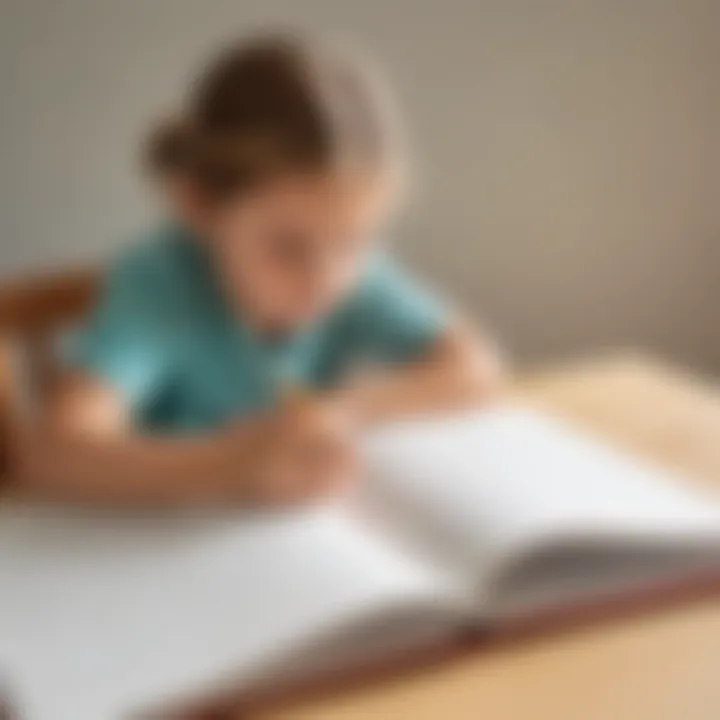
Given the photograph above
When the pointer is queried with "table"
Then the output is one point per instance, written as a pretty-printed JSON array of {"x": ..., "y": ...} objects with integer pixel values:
[{"x": 663, "y": 666}]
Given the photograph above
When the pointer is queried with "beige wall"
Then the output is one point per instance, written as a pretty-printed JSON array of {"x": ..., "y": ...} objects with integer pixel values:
[{"x": 569, "y": 149}]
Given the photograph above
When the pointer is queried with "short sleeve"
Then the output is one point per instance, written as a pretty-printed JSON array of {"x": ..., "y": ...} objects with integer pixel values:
[
  {"x": 398, "y": 317},
  {"x": 126, "y": 343}
]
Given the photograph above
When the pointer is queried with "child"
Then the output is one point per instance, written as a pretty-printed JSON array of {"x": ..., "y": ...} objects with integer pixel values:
[{"x": 219, "y": 366}]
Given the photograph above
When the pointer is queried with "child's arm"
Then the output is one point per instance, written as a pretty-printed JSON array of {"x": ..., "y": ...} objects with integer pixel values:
[
  {"x": 460, "y": 369},
  {"x": 430, "y": 360},
  {"x": 83, "y": 450}
]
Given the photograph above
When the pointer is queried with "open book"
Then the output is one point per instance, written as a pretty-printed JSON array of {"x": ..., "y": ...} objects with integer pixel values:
[{"x": 468, "y": 521}]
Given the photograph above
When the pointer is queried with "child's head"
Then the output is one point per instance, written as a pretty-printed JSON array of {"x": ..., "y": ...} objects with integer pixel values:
[{"x": 286, "y": 157}]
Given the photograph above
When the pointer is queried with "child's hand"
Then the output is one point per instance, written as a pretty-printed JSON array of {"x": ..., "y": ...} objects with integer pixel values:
[{"x": 306, "y": 450}]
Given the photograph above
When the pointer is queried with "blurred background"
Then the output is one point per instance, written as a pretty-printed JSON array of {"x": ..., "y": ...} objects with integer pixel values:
[{"x": 567, "y": 151}]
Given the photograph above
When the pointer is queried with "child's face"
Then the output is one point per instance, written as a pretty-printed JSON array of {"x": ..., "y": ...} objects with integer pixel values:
[{"x": 290, "y": 250}]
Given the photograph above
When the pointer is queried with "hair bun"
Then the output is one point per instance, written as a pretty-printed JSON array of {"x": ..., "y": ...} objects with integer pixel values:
[{"x": 171, "y": 146}]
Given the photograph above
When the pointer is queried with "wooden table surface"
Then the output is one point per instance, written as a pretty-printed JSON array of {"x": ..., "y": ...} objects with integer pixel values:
[{"x": 663, "y": 666}]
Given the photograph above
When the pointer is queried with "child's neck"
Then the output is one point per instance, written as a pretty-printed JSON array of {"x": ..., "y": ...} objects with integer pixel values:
[{"x": 260, "y": 324}]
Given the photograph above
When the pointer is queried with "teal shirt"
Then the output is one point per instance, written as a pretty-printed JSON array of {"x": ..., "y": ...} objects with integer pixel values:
[{"x": 163, "y": 336}]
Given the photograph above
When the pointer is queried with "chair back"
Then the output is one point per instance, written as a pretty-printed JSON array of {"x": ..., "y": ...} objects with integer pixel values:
[{"x": 33, "y": 311}]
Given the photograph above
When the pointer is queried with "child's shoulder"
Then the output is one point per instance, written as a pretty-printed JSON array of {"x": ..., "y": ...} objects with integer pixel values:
[
  {"x": 160, "y": 261},
  {"x": 152, "y": 252},
  {"x": 161, "y": 270},
  {"x": 384, "y": 277}
]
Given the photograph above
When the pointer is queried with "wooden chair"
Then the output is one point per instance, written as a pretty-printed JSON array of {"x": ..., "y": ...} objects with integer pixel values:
[{"x": 32, "y": 312}]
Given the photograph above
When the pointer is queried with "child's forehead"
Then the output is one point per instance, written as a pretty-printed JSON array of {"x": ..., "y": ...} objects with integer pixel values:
[
  {"x": 337, "y": 186},
  {"x": 341, "y": 196}
]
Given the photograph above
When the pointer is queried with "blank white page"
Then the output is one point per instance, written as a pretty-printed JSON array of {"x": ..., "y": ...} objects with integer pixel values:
[
  {"x": 100, "y": 616},
  {"x": 496, "y": 479}
]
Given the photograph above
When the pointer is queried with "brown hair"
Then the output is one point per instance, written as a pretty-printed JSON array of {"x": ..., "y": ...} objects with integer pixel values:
[{"x": 272, "y": 105}]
